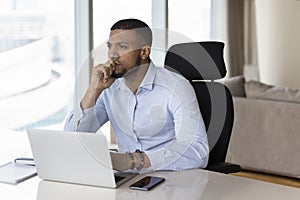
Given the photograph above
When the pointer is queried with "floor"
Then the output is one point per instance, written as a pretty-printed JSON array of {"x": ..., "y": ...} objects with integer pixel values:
[{"x": 293, "y": 182}]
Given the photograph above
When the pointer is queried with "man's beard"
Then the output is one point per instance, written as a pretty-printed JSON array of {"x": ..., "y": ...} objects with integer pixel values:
[
  {"x": 118, "y": 75},
  {"x": 124, "y": 71}
]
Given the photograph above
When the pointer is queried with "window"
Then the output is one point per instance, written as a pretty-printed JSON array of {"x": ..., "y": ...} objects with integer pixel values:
[
  {"x": 37, "y": 59},
  {"x": 106, "y": 13},
  {"x": 194, "y": 26},
  {"x": 189, "y": 21}
]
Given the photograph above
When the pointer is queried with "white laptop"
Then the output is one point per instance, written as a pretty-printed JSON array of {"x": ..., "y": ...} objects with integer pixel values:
[{"x": 74, "y": 157}]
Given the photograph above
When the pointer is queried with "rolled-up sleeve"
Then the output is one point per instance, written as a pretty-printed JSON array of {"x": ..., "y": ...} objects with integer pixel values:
[{"x": 86, "y": 120}]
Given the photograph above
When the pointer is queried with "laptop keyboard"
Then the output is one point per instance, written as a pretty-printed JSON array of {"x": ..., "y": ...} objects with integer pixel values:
[{"x": 118, "y": 178}]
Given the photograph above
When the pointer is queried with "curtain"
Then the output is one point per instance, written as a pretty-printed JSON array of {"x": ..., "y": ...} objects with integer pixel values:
[
  {"x": 250, "y": 45},
  {"x": 241, "y": 33},
  {"x": 235, "y": 17},
  {"x": 250, "y": 41}
]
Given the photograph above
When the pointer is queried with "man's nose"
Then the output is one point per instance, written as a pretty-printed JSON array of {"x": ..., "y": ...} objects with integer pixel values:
[{"x": 113, "y": 53}]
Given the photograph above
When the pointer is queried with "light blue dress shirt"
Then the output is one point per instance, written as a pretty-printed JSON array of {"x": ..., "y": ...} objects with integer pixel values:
[{"x": 162, "y": 119}]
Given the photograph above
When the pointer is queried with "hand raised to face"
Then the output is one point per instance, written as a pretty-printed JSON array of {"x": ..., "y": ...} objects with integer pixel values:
[{"x": 102, "y": 75}]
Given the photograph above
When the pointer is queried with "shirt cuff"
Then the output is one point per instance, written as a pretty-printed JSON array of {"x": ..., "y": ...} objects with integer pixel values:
[{"x": 84, "y": 117}]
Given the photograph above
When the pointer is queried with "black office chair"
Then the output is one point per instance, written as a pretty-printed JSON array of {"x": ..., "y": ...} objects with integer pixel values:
[{"x": 197, "y": 62}]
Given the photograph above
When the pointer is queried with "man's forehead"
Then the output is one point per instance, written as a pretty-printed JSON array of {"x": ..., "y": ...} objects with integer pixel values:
[{"x": 120, "y": 35}]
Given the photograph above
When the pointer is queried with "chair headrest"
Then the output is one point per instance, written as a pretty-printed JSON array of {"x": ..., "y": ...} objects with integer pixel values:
[{"x": 197, "y": 60}]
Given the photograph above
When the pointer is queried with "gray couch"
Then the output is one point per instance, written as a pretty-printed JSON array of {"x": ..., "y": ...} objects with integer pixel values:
[{"x": 266, "y": 130}]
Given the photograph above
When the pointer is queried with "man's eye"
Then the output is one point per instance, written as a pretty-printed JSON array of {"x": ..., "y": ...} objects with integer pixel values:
[{"x": 122, "y": 46}]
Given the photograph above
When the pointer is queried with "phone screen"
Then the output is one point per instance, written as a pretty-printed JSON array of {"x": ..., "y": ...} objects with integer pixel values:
[{"x": 147, "y": 183}]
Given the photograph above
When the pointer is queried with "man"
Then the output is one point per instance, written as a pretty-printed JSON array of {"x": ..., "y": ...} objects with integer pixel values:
[{"x": 154, "y": 112}]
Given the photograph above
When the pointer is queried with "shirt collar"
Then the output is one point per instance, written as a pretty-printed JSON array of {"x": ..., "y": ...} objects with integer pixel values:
[{"x": 147, "y": 82}]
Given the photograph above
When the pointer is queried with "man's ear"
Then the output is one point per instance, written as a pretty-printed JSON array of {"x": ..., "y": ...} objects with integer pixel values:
[{"x": 145, "y": 52}]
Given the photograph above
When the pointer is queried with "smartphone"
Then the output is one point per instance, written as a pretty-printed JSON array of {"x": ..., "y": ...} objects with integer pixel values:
[{"x": 147, "y": 183}]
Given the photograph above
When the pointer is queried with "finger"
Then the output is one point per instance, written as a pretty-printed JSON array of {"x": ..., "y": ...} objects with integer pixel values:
[
  {"x": 108, "y": 70},
  {"x": 100, "y": 74},
  {"x": 113, "y": 65},
  {"x": 104, "y": 71},
  {"x": 106, "y": 74}
]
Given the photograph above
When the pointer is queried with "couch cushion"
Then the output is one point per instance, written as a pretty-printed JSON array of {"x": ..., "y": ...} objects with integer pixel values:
[
  {"x": 235, "y": 85},
  {"x": 255, "y": 89}
]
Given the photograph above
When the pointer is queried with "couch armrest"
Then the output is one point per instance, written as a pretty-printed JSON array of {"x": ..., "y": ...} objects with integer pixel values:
[{"x": 266, "y": 136}]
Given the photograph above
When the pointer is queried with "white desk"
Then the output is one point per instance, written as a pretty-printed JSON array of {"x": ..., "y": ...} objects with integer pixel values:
[{"x": 187, "y": 185}]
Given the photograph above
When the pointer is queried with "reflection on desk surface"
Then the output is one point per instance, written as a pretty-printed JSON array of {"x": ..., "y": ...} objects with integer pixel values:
[
  {"x": 187, "y": 184},
  {"x": 50, "y": 190},
  {"x": 177, "y": 186}
]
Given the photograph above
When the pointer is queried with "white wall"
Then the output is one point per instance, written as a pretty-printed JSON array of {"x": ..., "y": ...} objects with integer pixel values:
[{"x": 278, "y": 35}]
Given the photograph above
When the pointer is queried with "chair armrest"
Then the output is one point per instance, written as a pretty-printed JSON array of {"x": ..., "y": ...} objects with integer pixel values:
[{"x": 224, "y": 167}]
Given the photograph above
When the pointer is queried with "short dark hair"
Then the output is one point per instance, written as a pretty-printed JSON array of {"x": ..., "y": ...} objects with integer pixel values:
[{"x": 142, "y": 29}]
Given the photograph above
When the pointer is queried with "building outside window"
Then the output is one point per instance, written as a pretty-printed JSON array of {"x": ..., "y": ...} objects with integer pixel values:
[{"x": 36, "y": 63}]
